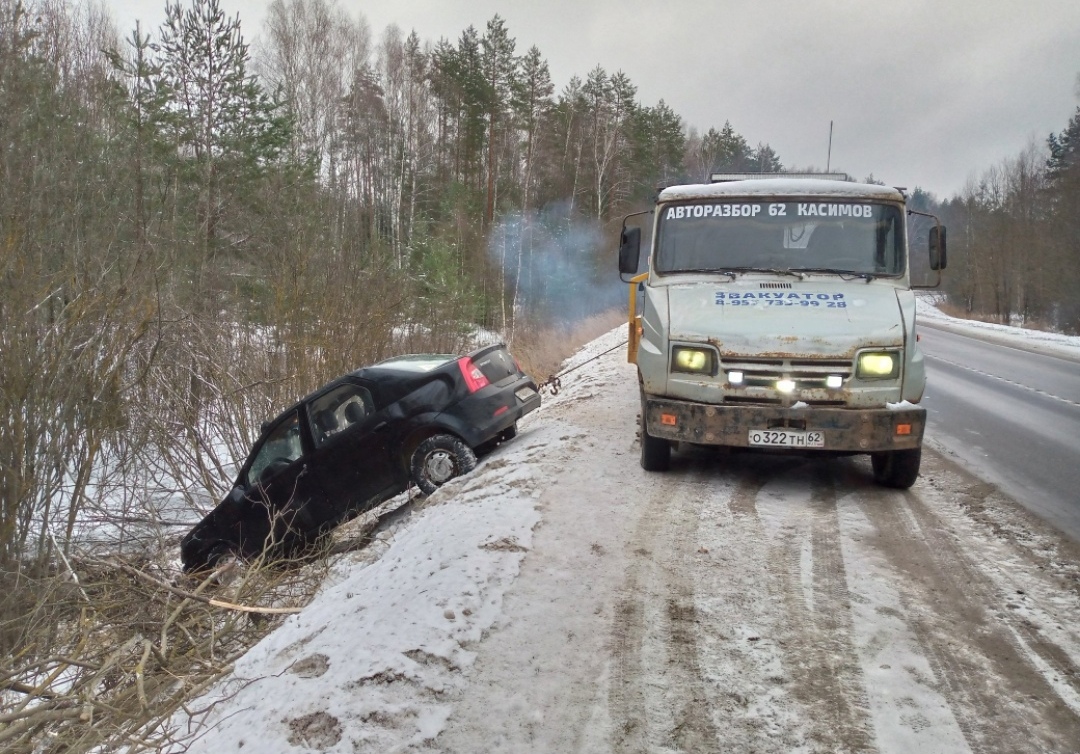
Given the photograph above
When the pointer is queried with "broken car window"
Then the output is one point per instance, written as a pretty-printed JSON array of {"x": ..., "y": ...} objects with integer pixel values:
[
  {"x": 338, "y": 410},
  {"x": 280, "y": 449}
]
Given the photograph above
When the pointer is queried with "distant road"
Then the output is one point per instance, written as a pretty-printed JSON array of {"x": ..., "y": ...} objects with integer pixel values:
[{"x": 1011, "y": 415}]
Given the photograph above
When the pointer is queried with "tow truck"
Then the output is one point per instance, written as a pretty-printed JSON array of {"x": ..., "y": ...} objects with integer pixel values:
[{"x": 777, "y": 313}]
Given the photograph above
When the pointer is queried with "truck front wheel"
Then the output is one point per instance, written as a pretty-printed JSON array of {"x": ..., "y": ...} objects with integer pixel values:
[
  {"x": 655, "y": 453},
  {"x": 896, "y": 468}
]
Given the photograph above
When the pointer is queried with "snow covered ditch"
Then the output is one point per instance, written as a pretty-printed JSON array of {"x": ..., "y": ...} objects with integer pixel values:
[{"x": 371, "y": 660}]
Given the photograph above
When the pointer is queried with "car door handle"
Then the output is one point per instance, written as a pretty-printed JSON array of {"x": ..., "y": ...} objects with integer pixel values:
[{"x": 380, "y": 427}]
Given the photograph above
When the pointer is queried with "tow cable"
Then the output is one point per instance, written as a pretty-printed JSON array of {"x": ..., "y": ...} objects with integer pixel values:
[{"x": 554, "y": 383}]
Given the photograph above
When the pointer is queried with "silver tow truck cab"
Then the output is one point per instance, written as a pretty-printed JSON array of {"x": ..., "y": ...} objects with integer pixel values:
[{"x": 778, "y": 314}]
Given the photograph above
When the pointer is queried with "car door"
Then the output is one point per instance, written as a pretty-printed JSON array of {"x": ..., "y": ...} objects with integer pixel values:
[
  {"x": 352, "y": 453},
  {"x": 282, "y": 493}
]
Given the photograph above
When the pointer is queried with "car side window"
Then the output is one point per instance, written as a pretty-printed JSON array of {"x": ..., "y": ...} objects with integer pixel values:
[
  {"x": 340, "y": 409},
  {"x": 281, "y": 448}
]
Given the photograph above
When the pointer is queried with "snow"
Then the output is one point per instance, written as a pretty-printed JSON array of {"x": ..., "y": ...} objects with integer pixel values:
[
  {"x": 806, "y": 188},
  {"x": 1039, "y": 341},
  {"x": 391, "y": 638},
  {"x": 409, "y": 616},
  {"x": 522, "y": 562},
  {"x": 884, "y": 641}
]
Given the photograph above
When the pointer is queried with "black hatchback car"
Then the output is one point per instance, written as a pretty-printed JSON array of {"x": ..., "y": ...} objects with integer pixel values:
[{"x": 360, "y": 440}]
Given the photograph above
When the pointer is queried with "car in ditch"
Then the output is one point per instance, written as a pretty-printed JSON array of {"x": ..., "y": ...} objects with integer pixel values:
[{"x": 359, "y": 440}]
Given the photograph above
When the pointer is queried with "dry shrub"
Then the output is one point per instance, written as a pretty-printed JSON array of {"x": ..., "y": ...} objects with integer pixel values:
[
  {"x": 128, "y": 645},
  {"x": 102, "y": 650},
  {"x": 541, "y": 350},
  {"x": 959, "y": 312}
]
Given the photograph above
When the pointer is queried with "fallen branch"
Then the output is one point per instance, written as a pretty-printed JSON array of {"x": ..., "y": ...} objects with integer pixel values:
[
  {"x": 23, "y": 688},
  {"x": 35, "y": 718},
  {"x": 205, "y": 600}
]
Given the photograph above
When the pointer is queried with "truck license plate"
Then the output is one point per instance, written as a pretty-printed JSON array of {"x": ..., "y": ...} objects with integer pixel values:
[
  {"x": 525, "y": 394},
  {"x": 787, "y": 438}
]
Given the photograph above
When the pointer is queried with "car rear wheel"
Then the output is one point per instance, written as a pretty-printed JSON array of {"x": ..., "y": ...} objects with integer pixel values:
[
  {"x": 896, "y": 468},
  {"x": 439, "y": 459}
]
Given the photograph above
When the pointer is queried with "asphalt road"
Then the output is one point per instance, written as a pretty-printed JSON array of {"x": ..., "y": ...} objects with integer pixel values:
[{"x": 1010, "y": 414}]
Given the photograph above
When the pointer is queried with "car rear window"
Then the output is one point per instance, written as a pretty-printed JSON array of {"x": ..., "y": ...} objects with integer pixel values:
[{"x": 496, "y": 364}]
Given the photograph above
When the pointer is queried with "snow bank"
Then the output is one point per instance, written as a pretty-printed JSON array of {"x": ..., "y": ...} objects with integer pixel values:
[{"x": 1067, "y": 346}]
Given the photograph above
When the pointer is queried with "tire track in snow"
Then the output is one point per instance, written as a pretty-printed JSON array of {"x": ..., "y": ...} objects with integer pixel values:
[
  {"x": 807, "y": 578},
  {"x": 820, "y": 652},
  {"x": 1048, "y": 656},
  {"x": 741, "y": 634},
  {"x": 949, "y": 607},
  {"x": 658, "y": 696},
  {"x": 833, "y": 687}
]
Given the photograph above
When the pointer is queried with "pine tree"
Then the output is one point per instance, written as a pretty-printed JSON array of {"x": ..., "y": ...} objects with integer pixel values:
[
  {"x": 1063, "y": 176},
  {"x": 764, "y": 160},
  {"x": 500, "y": 77},
  {"x": 531, "y": 103},
  {"x": 224, "y": 127},
  {"x": 732, "y": 151},
  {"x": 468, "y": 73},
  {"x": 610, "y": 111},
  {"x": 659, "y": 146},
  {"x": 1064, "y": 149},
  {"x": 145, "y": 113}
]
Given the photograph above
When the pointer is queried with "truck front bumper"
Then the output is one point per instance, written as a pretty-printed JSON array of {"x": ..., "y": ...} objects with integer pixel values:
[{"x": 863, "y": 430}]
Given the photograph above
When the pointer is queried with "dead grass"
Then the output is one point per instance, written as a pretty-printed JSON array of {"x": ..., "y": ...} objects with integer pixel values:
[{"x": 541, "y": 350}]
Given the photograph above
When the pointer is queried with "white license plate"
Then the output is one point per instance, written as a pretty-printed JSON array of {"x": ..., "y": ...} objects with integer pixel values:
[
  {"x": 787, "y": 438},
  {"x": 524, "y": 394}
]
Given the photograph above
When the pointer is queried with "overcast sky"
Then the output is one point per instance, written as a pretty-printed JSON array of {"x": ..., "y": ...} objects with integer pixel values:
[{"x": 921, "y": 92}]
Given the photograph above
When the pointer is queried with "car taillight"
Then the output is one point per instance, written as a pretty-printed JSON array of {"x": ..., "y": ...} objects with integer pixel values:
[{"x": 474, "y": 378}]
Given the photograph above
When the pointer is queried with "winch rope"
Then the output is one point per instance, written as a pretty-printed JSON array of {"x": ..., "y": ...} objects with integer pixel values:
[{"x": 554, "y": 383}]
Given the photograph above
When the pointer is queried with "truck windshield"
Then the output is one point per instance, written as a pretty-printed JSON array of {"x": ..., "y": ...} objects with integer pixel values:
[{"x": 842, "y": 237}]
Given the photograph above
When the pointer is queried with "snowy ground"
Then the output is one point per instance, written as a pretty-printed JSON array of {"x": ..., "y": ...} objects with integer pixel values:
[
  {"x": 560, "y": 599},
  {"x": 1034, "y": 340}
]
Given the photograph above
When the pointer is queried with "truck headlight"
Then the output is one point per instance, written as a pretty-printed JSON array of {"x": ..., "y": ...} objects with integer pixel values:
[
  {"x": 878, "y": 365},
  {"x": 693, "y": 360}
]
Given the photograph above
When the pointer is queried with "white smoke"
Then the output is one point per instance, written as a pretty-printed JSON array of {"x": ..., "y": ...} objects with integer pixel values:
[{"x": 557, "y": 265}]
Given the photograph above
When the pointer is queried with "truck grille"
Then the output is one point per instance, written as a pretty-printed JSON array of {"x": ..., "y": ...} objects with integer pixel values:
[{"x": 761, "y": 374}]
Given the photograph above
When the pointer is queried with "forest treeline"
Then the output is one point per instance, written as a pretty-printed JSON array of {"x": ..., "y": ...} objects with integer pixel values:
[
  {"x": 193, "y": 233},
  {"x": 1014, "y": 237}
]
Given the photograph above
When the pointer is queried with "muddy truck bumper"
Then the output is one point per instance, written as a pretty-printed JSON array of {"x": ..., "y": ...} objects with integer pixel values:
[{"x": 863, "y": 430}]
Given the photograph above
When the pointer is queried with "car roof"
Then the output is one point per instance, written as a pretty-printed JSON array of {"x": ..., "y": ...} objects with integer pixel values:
[
  {"x": 411, "y": 363},
  {"x": 406, "y": 367}
]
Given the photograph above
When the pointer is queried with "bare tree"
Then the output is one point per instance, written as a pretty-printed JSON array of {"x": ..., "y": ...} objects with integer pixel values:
[{"x": 310, "y": 54}]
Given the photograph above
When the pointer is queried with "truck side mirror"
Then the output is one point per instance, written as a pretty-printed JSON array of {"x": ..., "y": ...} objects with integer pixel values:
[
  {"x": 629, "y": 251},
  {"x": 938, "y": 257}
]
